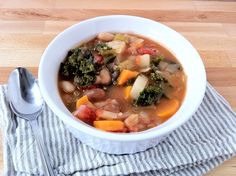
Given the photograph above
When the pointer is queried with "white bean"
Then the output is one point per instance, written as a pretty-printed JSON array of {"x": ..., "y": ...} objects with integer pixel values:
[
  {"x": 67, "y": 86},
  {"x": 104, "y": 77},
  {"x": 106, "y": 36}
]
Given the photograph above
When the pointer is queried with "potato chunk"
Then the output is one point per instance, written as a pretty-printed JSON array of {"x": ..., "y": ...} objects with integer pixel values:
[{"x": 118, "y": 46}]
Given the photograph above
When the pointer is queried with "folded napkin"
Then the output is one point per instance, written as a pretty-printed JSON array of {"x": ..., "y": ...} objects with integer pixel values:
[{"x": 205, "y": 141}]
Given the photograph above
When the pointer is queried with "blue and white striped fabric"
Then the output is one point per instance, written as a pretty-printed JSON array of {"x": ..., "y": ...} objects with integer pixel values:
[{"x": 205, "y": 141}]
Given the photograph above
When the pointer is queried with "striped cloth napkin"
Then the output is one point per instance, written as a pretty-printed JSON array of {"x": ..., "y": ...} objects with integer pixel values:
[{"x": 205, "y": 141}]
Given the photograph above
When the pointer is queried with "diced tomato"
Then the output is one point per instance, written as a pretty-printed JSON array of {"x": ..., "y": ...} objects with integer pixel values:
[
  {"x": 98, "y": 59},
  {"x": 85, "y": 113},
  {"x": 145, "y": 50}
]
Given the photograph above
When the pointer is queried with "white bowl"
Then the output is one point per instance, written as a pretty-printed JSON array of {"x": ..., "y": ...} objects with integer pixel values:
[{"x": 112, "y": 142}]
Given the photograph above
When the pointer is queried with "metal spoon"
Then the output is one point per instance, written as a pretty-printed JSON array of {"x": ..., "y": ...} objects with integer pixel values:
[{"x": 26, "y": 102}]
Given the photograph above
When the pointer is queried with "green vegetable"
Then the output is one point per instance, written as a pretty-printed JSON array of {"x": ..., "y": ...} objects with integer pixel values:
[
  {"x": 121, "y": 37},
  {"x": 70, "y": 65},
  {"x": 158, "y": 59},
  {"x": 79, "y": 64},
  {"x": 105, "y": 51},
  {"x": 155, "y": 62},
  {"x": 86, "y": 66},
  {"x": 85, "y": 80},
  {"x": 150, "y": 95},
  {"x": 101, "y": 48},
  {"x": 156, "y": 77}
]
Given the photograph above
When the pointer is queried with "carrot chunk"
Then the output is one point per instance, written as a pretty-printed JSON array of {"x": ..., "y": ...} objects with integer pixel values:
[
  {"x": 166, "y": 108},
  {"x": 127, "y": 92},
  {"x": 83, "y": 100},
  {"x": 125, "y": 75},
  {"x": 109, "y": 125}
]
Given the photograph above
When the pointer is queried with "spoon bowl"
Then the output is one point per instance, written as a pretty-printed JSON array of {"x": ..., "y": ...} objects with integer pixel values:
[{"x": 27, "y": 102}]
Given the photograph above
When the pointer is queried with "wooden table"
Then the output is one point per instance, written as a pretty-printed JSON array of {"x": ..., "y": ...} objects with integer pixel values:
[{"x": 27, "y": 26}]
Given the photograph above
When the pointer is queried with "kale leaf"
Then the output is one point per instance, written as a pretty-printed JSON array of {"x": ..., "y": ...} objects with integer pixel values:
[
  {"x": 79, "y": 64},
  {"x": 85, "y": 80},
  {"x": 102, "y": 48},
  {"x": 150, "y": 95},
  {"x": 156, "y": 77},
  {"x": 155, "y": 62},
  {"x": 70, "y": 65}
]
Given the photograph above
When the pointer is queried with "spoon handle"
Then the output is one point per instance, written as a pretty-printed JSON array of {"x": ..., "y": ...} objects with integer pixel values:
[{"x": 48, "y": 171}]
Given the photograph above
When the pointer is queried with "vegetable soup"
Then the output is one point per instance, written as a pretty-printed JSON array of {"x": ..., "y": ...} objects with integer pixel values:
[{"x": 120, "y": 82}]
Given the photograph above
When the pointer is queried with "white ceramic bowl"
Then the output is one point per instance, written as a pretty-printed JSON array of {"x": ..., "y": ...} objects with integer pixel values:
[{"x": 113, "y": 142}]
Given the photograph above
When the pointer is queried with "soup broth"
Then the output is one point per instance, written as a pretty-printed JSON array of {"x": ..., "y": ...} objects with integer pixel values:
[{"x": 121, "y": 82}]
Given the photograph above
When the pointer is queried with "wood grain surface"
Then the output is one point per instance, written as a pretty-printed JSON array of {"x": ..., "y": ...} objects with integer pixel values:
[{"x": 27, "y": 26}]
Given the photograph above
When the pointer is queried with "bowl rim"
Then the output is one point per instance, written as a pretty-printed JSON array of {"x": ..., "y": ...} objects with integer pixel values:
[{"x": 137, "y": 136}]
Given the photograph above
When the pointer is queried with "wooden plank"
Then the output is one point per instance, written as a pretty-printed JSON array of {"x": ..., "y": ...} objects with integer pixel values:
[
  {"x": 212, "y": 43},
  {"x": 215, "y": 59},
  {"x": 20, "y": 57},
  {"x": 222, "y": 76},
  {"x": 198, "y": 28},
  {"x": 228, "y": 168},
  {"x": 23, "y": 27},
  {"x": 188, "y": 28},
  {"x": 25, "y": 41},
  {"x": 230, "y": 29},
  {"x": 215, "y": 6},
  {"x": 55, "y": 27},
  {"x": 81, "y": 14},
  {"x": 232, "y": 57},
  {"x": 228, "y": 92},
  {"x": 124, "y": 4},
  {"x": 27, "y": 4}
]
